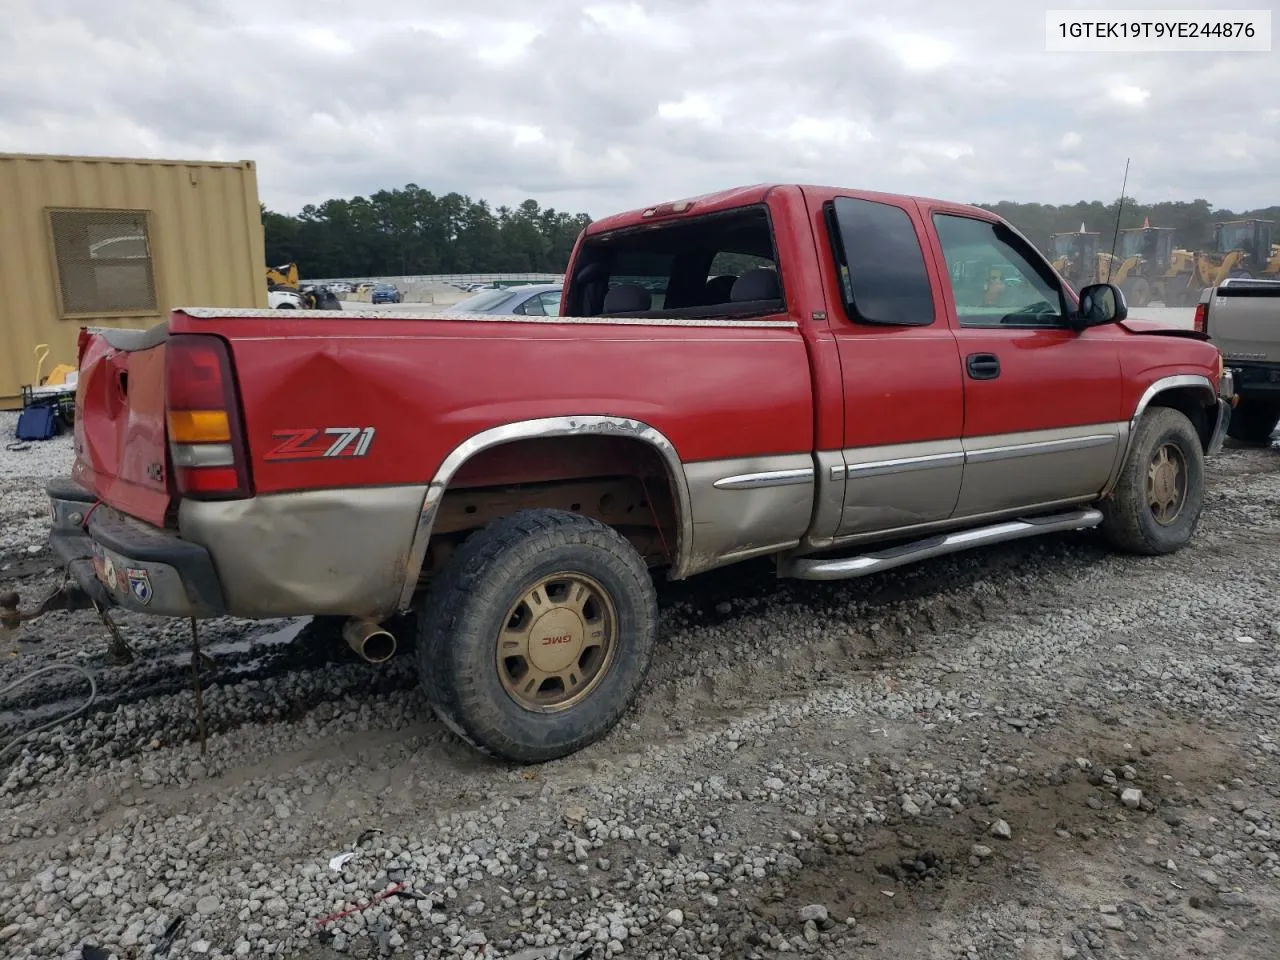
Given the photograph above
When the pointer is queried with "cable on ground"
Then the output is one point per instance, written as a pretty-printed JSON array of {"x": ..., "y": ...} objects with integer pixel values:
[{"x": 53, "y": 668}]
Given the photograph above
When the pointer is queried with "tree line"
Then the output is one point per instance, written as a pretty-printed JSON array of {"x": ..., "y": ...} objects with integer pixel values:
[{"x": 411, "y": 231}]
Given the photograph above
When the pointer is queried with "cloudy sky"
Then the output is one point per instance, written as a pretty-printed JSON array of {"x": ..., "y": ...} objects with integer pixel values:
[{"x": 608, "y": 105}]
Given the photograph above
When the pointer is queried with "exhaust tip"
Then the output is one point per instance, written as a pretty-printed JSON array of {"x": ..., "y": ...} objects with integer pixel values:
[{"x": 369, "y": 640}]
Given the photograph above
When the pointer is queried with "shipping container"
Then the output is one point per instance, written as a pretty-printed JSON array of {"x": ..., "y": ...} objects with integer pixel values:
[{"x": 105, "y": 241}]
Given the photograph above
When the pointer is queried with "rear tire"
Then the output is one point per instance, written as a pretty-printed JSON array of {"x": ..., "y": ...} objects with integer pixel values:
[
  {"x": 536, "y": 637},
  {"x": 1253, "y": 421},
  {"x": 1157, "y": 501}
]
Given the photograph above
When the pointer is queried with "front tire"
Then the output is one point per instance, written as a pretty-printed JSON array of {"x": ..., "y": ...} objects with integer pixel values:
[
  {"x": 1157, "y": 501},
  {"x": 536, "y": 637},
  {"x": 1253, "y": 421}
]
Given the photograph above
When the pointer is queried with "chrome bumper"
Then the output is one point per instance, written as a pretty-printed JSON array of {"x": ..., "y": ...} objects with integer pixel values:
[{"x": 1219, "y": 434}]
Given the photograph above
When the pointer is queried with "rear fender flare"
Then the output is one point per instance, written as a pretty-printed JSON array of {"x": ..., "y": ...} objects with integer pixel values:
[{"x": 568, "y": 426}]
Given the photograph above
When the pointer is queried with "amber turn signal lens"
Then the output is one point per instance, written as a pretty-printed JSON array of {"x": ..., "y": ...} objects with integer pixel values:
[{"x": 199, "y": 426}]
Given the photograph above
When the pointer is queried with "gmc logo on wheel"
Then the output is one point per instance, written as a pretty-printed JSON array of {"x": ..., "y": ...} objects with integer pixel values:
[{"x": 562, "y": 638}]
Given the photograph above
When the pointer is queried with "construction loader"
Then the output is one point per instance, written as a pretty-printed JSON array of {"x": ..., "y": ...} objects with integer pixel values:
[
  {"x": 1142, "y": 263},
  {"x": 1075, "y": 256}
]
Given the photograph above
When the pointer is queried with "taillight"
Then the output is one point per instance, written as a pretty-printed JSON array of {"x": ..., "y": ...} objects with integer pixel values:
[
  {"x": 1200, "y": 321},
  {"x": 206, "y": 441}
]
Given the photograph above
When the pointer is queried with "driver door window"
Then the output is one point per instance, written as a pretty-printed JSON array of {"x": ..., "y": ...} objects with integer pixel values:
[{"x": 992, "y": 282}]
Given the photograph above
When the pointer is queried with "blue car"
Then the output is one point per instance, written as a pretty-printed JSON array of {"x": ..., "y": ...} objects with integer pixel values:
[
  {"x": 531, "y": 300},
  {"x": 385, "y": 293}
]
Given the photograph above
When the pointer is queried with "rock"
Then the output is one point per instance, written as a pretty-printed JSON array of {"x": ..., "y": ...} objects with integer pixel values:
[
  {"x": 981, "y": 851},
  {"x": 1131, "y": 797},
  {"x": 1001, "y": 830},
  {"x": 208, "y": 906},
  {"x": 909, "y": 807},
  {"x": 815, "y": 912},
  {"x": 675, "y": 917}
]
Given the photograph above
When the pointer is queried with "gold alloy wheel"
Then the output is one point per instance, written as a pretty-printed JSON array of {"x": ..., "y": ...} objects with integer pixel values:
[
  {"x": 558, "y": 642},
  {"x": 1167, "y": 484}
]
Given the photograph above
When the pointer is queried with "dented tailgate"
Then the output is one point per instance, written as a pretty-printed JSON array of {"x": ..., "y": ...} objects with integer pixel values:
[{"x": 120, "y": 421}]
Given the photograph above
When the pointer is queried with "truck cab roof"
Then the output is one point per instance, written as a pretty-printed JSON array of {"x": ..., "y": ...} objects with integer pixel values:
[{"x": 753, "y": 194}]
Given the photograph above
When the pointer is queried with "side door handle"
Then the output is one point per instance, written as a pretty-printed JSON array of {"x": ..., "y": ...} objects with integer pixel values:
[{"x": 983, "y": 366}]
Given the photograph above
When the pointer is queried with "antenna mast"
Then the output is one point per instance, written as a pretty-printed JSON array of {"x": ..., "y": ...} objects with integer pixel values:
[{"x": 1119, "y": 209}]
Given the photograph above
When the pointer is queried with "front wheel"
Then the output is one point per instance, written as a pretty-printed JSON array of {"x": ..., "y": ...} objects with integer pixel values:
[
  {"x": 536, "y": 637},
  {"x": 1157, "y": 501}
]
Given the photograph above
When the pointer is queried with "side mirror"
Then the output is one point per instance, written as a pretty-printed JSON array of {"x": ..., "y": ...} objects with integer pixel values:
[{"x": 1101, "y": 303}]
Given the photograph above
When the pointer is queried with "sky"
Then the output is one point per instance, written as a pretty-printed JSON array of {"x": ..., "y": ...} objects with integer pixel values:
[{"x": 606, "y": 106}]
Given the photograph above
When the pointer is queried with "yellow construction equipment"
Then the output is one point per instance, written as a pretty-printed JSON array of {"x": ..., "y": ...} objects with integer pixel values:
[
  {"x": 1241, "y": 248},
  {"x": 1142, "y": 263},
  {"x": 286, "y": 276},
  {"x": 1075, "y": 256}
]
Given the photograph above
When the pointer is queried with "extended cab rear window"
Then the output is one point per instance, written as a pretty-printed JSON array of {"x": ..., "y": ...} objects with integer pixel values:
[
  {"x": 881, "y": 263},
  {"x": 716, "y": 265}
]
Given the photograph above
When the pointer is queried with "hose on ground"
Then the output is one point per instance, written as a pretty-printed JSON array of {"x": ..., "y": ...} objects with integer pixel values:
[{"x": 53, "y": 668}]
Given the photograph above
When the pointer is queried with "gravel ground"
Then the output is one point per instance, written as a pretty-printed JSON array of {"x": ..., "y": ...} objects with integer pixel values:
[{"x": 1042, "y": 750}]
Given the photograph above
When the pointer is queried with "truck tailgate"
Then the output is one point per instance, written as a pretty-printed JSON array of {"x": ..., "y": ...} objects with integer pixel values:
[
  {"x": 1244, "y": 322},
  {"x": 121, "y": 452}
]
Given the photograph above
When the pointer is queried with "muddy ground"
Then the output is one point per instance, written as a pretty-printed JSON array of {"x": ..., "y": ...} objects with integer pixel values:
[{"x": 1042, "y": 750}]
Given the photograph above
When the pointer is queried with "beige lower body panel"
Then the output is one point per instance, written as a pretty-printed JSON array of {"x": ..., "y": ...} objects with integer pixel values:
[
  {"x": 316, "y": 552},
  {"x": 747, "y": 507},
  {"x": 1006, "y": 471},
  {"x": 900, "y": 486}
]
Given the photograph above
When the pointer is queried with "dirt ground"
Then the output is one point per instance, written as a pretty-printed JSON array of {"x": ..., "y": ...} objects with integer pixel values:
[{"x": 1042, "y": 750}]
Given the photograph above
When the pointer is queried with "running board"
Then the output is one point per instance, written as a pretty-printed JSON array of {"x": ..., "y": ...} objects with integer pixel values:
[{"x": 846, "y": 568}]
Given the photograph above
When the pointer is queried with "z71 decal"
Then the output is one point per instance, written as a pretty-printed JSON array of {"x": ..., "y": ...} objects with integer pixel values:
[{"x": 318, "y": 443}]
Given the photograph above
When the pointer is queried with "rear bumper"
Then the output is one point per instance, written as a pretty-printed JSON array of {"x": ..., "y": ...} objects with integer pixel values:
[{"x": 123, "y": 562}]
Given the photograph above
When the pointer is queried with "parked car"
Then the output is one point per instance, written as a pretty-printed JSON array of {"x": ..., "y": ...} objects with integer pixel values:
[
  {"x": 1242, "y": 319},
  {"x": 514, "y": 483},
  {"x": 534, "y": 300},
  {"x": 284, "y": 300},
  {"x": 385, "y": 293}
]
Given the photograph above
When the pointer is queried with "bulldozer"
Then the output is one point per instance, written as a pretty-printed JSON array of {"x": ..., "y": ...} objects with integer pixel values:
[{"x": 1075, "y": 256}]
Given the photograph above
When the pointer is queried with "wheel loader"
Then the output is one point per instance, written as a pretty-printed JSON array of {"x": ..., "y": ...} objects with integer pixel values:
[{"x": 1075, "y": 256}]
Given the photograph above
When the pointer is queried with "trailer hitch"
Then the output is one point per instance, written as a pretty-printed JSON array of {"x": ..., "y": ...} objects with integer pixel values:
[{"x": 68, "y": 596}]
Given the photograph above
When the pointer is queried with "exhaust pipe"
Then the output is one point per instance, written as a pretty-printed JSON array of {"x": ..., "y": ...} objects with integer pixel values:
[{"x": 369, "y": 640}]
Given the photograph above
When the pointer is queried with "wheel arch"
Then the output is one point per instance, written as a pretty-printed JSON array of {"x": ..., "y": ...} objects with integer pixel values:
[
  {"x": 1191, "y": 394},
  {"x": 543, "y": 429}
]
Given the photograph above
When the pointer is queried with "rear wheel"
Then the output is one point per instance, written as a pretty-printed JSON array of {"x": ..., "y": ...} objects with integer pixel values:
[
  {"x": 1253, "y": 421},
  {"x": 535, "y": 638},
  {"x": 1157, "y": 501}
]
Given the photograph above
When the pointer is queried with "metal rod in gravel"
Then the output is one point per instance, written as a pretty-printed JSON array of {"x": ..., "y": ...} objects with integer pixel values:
[{"x": 195, "y": 682}]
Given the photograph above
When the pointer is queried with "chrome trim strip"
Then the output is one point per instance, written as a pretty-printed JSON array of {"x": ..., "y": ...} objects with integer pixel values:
[
  {"x": 1170, "y": 383},
  {"x": 214, "y": 313},
  {"x": 770, "y": 478},
  {"x": 989, "y": 454},
  {"x": 587, "y": 425},
  {"x": 876, "y": 468},
  {"x": 845, "y": 568}
]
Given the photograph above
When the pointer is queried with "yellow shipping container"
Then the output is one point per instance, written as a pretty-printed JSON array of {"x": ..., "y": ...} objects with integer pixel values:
[{"x": 104, "y": 241}]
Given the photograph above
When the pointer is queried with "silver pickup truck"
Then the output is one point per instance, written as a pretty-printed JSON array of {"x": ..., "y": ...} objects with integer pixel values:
[{"x": 1242, "y": 319}]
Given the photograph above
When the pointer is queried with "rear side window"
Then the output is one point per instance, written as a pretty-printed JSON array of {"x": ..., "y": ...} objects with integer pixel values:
[{"x": 881, "y": 264}]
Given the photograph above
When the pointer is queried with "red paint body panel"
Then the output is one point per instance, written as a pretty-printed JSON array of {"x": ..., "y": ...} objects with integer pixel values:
[
  {"x": 899, "y": 384},
  {"x": 427, "y": 385},
  {"x": 1154, "y": 357},
  {"x": 120, "y": 429},
  {"x": 1048, "y": 379}
]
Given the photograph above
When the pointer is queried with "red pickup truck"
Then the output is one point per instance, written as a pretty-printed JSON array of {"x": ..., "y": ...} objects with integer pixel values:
[{"x": 842, "y": 380}]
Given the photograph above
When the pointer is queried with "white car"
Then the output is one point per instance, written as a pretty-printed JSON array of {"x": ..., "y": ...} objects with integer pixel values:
[{"x": 283, "y": 300}]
